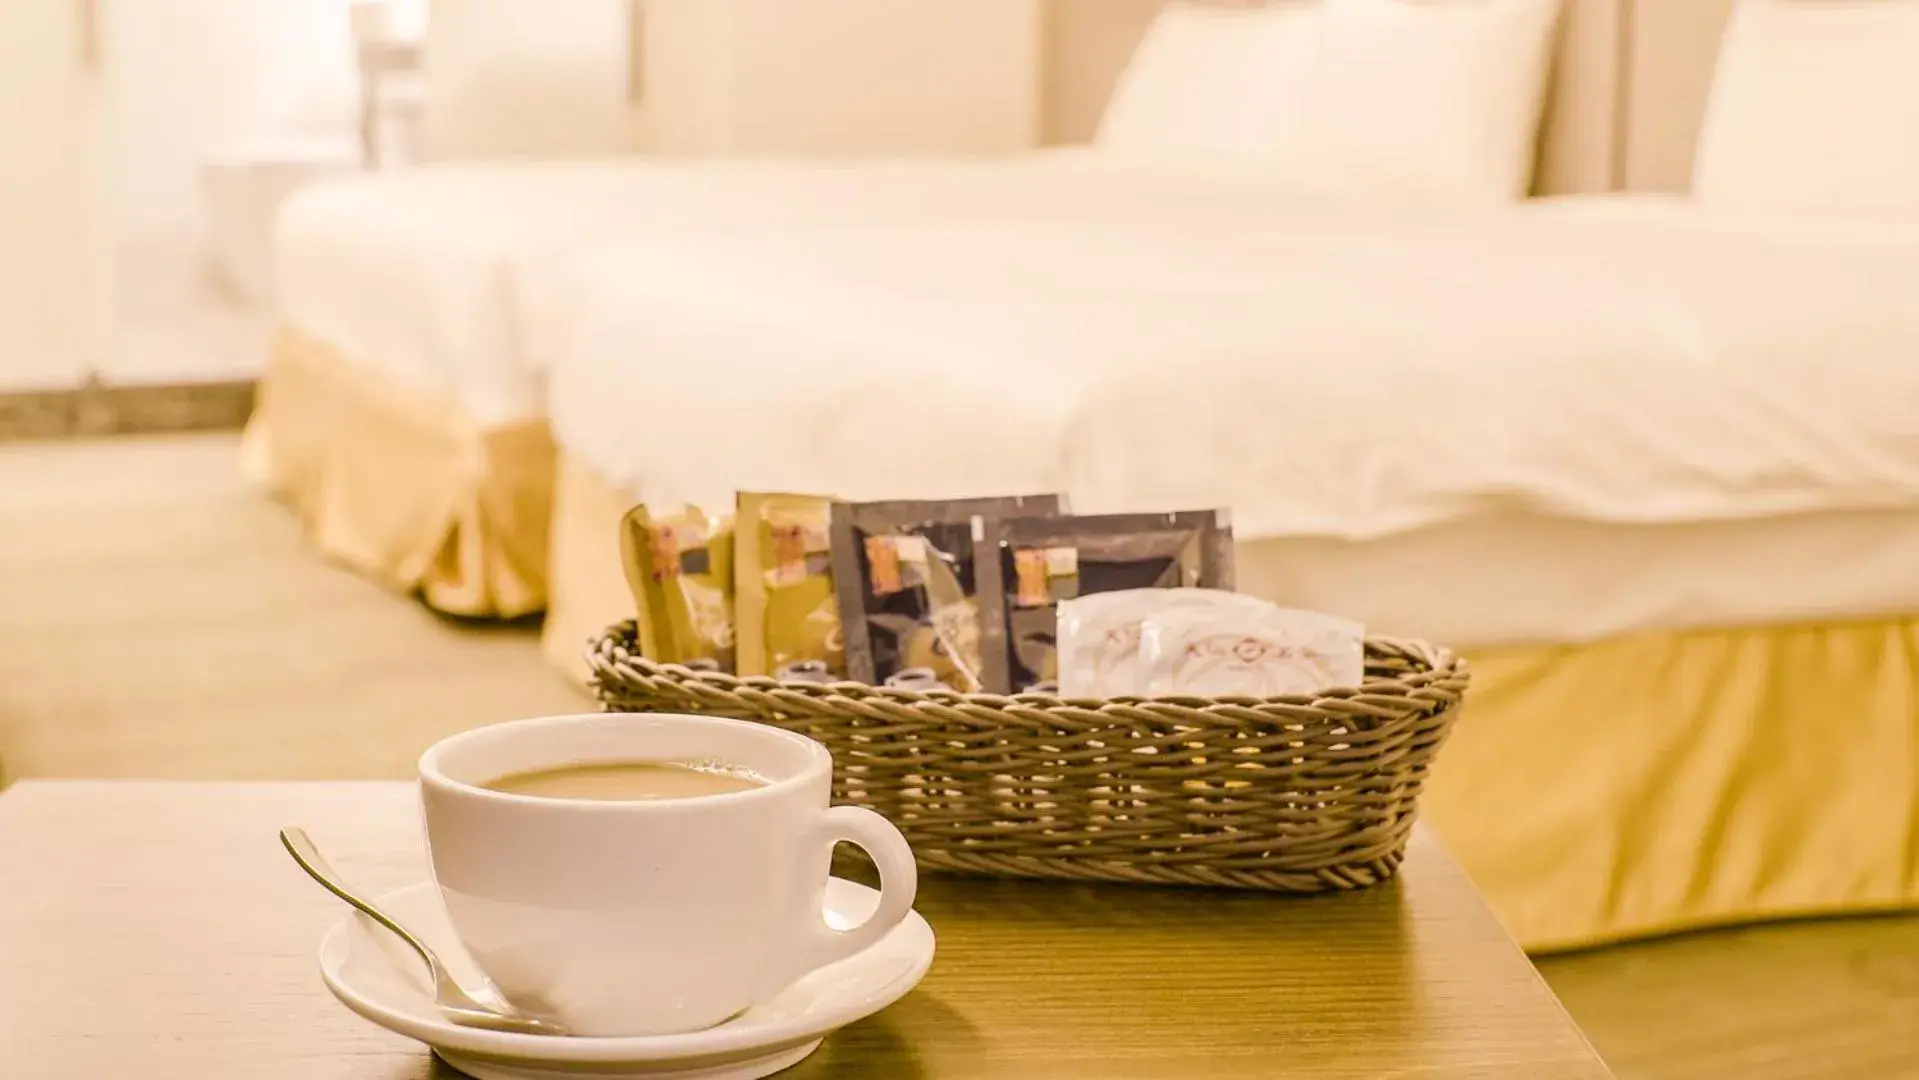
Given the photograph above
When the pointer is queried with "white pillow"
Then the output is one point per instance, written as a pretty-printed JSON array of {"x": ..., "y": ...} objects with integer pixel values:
[
  {"x": 1212, "y": 81},
  {"x": 1424, "y": 102},
  {"x": 1433, "y": 102},
  {"x": 1814, "y": 109}
]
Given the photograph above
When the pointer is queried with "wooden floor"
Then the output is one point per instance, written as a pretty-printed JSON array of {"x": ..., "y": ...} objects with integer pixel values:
[{"x": 157, "y": 618}]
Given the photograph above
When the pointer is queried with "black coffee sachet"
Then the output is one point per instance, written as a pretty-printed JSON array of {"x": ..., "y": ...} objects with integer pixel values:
[
  {"x": 1027, "y": 566},
  {"x": 905, "y": 578}
]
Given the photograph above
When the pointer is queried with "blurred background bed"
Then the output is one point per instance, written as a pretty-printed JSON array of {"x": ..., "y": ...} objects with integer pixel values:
[
  {"x": 1640, "y": 456},
  {"x": 402, "y": 410},
  {"x": 1660, "y": 655}
]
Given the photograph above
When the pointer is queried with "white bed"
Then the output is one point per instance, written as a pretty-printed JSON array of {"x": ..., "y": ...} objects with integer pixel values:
[
  {"x": 1619, "y": 363},
  {"x": 403, "y": 408},
  {"x": 434, "y": 276},
  {"x": 1655, "y": 472}
]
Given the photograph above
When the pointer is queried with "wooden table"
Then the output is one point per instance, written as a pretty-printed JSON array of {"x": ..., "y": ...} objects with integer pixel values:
[{"x": 156, "y": 930}]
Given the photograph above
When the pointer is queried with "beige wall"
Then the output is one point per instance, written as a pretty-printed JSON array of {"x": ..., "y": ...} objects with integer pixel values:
[
  {"x": 187, "y": 77},
  {"x": 525, "y": 79},
  {"x": 953, "y": 76},
  {"x": 849, "y": 76},
  {"x": 552, "y": 78},
  {"x": 51, "y": 259}
]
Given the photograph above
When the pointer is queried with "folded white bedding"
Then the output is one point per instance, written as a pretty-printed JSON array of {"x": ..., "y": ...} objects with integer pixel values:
[
  {"x": 439, "y": 276},
  {"x": 1338, "y": 379}
]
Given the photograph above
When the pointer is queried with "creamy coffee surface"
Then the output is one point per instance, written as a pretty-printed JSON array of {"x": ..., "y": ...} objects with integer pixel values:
[{"x": 627, "y": 781}]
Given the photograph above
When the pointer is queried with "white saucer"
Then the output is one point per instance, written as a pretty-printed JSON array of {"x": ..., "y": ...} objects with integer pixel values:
[{"x": 375, "y": 975}]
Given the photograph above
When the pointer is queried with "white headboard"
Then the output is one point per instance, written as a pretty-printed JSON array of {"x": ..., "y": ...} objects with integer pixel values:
[{"x": 1088, "y": 43}]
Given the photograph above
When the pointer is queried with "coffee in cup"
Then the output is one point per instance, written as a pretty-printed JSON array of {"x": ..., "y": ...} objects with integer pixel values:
[
  {"x": 598, "y": 875},
  {"x": 628, "y": 781}
]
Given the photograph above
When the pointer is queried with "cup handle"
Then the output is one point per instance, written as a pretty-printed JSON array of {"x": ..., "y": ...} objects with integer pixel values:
[{"x": 899, "y": 884}]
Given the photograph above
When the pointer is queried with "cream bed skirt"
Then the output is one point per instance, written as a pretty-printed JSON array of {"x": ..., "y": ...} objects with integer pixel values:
[
  {"x": 402, "y": 485},
  {"x": 1642, "y": 785}
]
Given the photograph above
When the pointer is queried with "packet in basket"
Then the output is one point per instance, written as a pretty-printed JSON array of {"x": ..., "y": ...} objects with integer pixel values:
[
  {"x": 679, "y": 568},
  {"x": 1029, "y": 567},
  {"x": 1239, "y": 650},
  {"x": 905, "y": 574},
  {"x": 1099, "y": 636},
  {"x": 789, "y": 624}
]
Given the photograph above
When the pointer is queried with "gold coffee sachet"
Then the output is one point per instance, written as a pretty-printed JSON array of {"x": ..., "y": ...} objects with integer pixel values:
[
  {"x": 789, "y": 622},
  {"x": 679, "y": 567}
]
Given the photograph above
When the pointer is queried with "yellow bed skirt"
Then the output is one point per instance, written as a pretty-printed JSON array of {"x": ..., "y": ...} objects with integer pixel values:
[
  {"x": 404, "y": 486},
  {"x": 1596, "y": 793},
  {"x": 1664, "y": 782},
  {"x": 587, "y": 589}
]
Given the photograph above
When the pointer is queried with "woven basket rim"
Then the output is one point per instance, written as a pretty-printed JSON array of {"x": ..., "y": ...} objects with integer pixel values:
[
  {"x": 1435, "y": 668},
  {"x": 1137, "y": 790}
]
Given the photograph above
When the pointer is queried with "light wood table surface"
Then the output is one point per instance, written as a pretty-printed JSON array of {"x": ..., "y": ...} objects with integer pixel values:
[{"x": 156, "y": 931}]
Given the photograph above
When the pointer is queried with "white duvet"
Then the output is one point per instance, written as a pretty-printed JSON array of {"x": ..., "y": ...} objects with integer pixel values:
[
  {"x": 1617, "y": 362},
  {"x": 440, "y": 277}
]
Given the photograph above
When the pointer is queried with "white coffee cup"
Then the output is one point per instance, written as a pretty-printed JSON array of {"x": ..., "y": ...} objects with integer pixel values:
[{"x": 648, "y": 917}]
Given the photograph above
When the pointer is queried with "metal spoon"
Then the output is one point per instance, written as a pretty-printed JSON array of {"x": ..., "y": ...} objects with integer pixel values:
[{"x": 455, "y": 1003}]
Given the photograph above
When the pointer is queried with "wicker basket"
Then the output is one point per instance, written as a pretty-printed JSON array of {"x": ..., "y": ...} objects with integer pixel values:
[{"x": 1294, "y": 794}]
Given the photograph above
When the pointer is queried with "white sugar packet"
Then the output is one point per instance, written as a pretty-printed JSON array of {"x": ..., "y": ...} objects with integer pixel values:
[
  {"x": 1263, "y": 651},
  {"x": 1099, "y": 635}
]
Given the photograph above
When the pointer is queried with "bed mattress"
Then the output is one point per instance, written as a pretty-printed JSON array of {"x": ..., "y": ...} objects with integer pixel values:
[
  {"x": 438, "y": 277},
  {"x": 1556, "y": 424}
]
